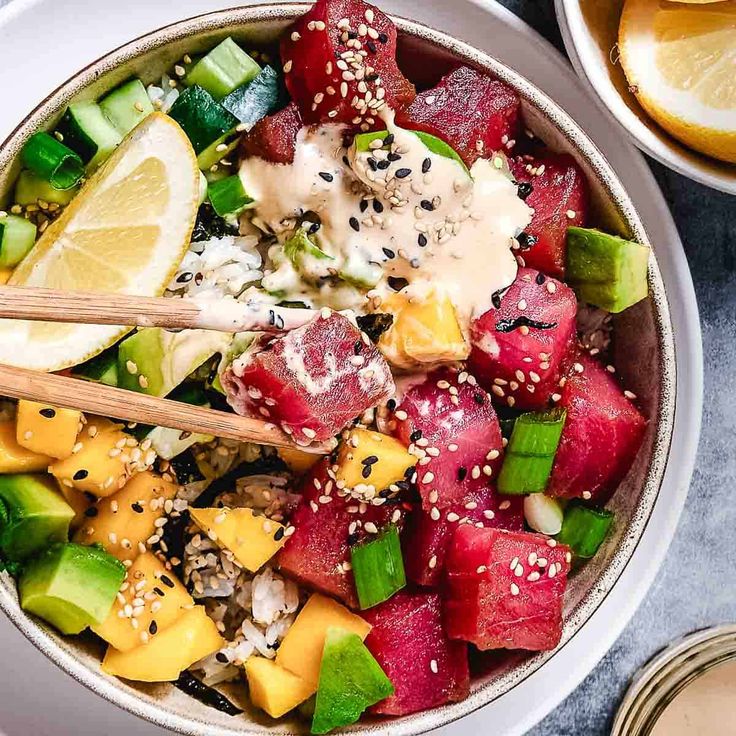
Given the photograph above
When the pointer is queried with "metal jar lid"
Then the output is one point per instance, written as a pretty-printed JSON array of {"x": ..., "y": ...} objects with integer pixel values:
[{"x": 659, "y": 681}]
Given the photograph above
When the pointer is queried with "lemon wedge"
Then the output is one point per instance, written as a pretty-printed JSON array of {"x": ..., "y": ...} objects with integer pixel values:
[
  {"x": 124, "y": 233},
  {"x": 680, "y": 60}
]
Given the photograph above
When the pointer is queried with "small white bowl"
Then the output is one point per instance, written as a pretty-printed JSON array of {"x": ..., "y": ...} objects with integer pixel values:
[{"x": 590, "y": 31}]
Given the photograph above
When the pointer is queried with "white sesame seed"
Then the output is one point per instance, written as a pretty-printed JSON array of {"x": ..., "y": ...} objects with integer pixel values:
[
  {"x": 514, "y": 589},
  {"x": 432, "y": 562},
  {"x": 433, "y": 666},
  {"x": 435, "y": 514},
  {"x": 571, "y": 214},
  {"x": 288, "y": 66}
]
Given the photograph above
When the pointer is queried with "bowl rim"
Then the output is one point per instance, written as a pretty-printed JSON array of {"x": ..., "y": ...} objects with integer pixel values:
[
  {"x": 655, "y": 142},
  {"x": 61, "y": 652}
]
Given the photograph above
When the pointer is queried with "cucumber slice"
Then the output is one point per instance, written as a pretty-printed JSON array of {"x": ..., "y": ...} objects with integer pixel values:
[
  {"x": 202, "y": 118},
  {"x": 51, "y": 160},
  {"x": 605, "y": 270},
  {"x": 89, "y": 133},
  {"x": 31, "y": 189},
  {"x": 224, "y": 69},
  {"x": 103, "y": 368},
  {"x": 251, "y": 102},
  {"x": 17, "y": 237},
  {"x": 531, "y": 452},
  {"x": 584, "y": 529},
  {"x": 228, "y": 197},
  {"x": 378, "y": 567},
  {"x": 215, "y": 152},
  {"x": 127, "y": 105}
]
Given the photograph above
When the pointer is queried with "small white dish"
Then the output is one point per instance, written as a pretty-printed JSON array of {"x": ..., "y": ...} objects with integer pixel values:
[{"x": 589, "y": 30}]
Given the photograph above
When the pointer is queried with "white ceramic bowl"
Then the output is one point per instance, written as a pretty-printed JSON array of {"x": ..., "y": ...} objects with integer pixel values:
[{"x": 590, "y": 30}]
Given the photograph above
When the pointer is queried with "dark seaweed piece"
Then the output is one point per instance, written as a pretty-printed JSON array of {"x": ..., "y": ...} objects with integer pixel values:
[
  {"x": 374, "y": 325},
  {"x": 173, "y": 535},
  {"x": 210, "y": 225},
  {"x": 205, "y": 694},
  {"x": 526, "y": 240},
  {"x": 509, "y": 325},
  {"x": 186, "y": 469}
]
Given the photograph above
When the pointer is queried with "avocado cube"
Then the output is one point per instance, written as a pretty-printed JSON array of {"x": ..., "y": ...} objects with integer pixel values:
[
  {"x": 605, "y": 270},
  {"x": 32, "y": 515},
  {"x": 350, "y": 680},
  {"x": 273, "y": 688},
  {"x": 47, "y": 430},
  {"x": 71, "y": 586}
]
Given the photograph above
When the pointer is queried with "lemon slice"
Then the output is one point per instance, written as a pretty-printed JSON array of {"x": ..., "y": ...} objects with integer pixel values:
[
  {"x": 125, "y": 233},
  {"x": 680, "y": 60}
]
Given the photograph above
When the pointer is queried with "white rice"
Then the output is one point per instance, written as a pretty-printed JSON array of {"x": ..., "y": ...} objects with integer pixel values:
[{"x": 164, "y": 96}]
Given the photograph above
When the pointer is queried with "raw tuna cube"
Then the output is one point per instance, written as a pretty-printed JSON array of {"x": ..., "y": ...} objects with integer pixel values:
[
  {"x": 470, "y": 111},
  {"x": 321, "y": 52},
  {"x": 317, "y": 551},
  {"x": 504, "y": 590},
  {"x": 425, "y": 667},
  {"x": 455, "y": 424},
  {"x": 559, "y": 198},
  {"x": 425, "y": 540},
  {"x": 274, "y": 137},
  {"x": 307, "y": 381},
  {"x": 520, "y": 344},
  {"x": 602, "y": 435}
]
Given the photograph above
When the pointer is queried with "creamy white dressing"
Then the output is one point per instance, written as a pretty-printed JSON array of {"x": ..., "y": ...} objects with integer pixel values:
[{"x": 411, "y": 213}]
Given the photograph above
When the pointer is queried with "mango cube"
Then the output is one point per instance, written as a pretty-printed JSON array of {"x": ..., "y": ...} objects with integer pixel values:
[
  {"x": 47, "y": 430},
  {"x": 252, "y": 539},
  {"x": 298, "y": 461},
  {"x": 124, "y": 522},
  {"x": 80, "y": 502},
  {"x": 164, "y": 601},
  {"x": 372, "y": 458},
  {"x": 17, "y": 459},
  {"x": 5, "y": 274},
  {"x": 301, "y": 650},
  {"x": 274, "y": 689},
  {"x": 165, "y": 657}
]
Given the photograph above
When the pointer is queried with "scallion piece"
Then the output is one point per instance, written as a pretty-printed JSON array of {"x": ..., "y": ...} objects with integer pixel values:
[
  {"x": 228, "y": 196},
  {"x": 584, "y": 529},
  {"x": 17, "y": 237},
  {"x": 531, "y": 452},
  {"x": 378, "y": 567},
  {"x": 52, "y": 161}
]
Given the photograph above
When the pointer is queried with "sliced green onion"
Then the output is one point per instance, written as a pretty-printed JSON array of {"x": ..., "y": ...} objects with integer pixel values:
[
  {"x": 378, "y": 567},
  {"x": 531, "y": 452},
  {"x": 228, "y": 196},
  {"x": 584, "y": 529},
  {"x": 17, "y": 237},
  {"x": 52, "y": 161},
  {"x": 31, "y": 189}
]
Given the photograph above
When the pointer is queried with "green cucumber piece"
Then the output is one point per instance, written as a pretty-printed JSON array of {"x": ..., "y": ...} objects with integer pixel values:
[
  {"x": 531, "y": 452},
  {"x": 584, "y": 529},
  {"x": 127, "y": 105},
  {"x": 32, "y": 189},
  {"x": 223, "y": 69},
  {"x": 605, "y": 270},
  {"x": 228, "y": 197},
  {"x": 17, "y": 237},
  {"x": 350, "y": 680},
  {"x": 378, "y": 567},
  {"x": 251, "y": 102},
  {"x": 103, "y": 368},
  {"x": 202, "y": 118},
  {"x": 87, "y": 131},
  {"x": 52, "y": 161}
]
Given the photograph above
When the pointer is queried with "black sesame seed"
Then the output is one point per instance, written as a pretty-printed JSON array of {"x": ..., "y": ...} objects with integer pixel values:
[
  {"x": 185, "y": 277},
  {"x": 158, "y": 591},
  {"x": 526, "y": 240},
  {"x": 422, "y": 240},
  {"x": 137, "y": 507},
  {"x": 358, "y": 347},
  {"x": 383, "y": 37},
  {"x": 372, "y": 47},
  {"x": 393, "y": 157},
  {"x": 373, "y": 163},
  {"x": 409, "y": 472},
  {"x": 352, "y": 539},
  {"x": 363, "y": 205},
  {"x": 371, "y": 77},
  {"x": 222, "y": 658},
  {"x": 403, "y": 173},
  {"x": 352, "y": 35},
  {"x": 416, "y": 435},
  {"x": 403, "y": 485},
  {"x": 426, "y": 165},
  {"x": 367, "y": 470},
  {"x": 355, "y": 224},
  {"x": 327, "y": 176},
  {"x": 383, "y": 165},
  {"x": 90, "y": 497},
  {"x": 377, "y": 206},
  {"x": 80, "y": 475},
  {"x": 153, "y": 628},
  {"x": 370, "y": 460},
  {"x": 48, "y": 413},
  {"x": 389, "y": 253},
  {"x": 279, "y": 534},
  {"x": 462, "y": 473},
  {"x": 391, "y": 404},
  {"x": 91, "y": 512},
  {"x": 198, "y": 279},
  {"x": 427, "y": 205},
  {"x": 389, "y": 139},
  {"x": 397, "y": 283},
  {"x": 496, "y": 300},
  {"x": 525, "y": 189},
  {"x": 314, "y": 227},
  {"x": 385, "y": 493},
  {"x": 167, "y": 581},
  {"x": 541, "y": 278}
]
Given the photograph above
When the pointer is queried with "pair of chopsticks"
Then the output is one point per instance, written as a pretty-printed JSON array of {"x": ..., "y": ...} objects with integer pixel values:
[{"x": 51, "y": 305}]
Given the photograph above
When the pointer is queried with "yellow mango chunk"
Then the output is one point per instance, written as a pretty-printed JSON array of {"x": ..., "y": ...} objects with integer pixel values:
[
  {"x": 252, "y": 539},
  {"x": 298, "y": 461},
  {"x": 274, "y": 689},
  {"x": 79, "y": 502},
  {"x": 17, "y": 459},
  {"x": 127, "y": 520},
  {"x": 102, "y": 464},
  {"x": 150, "y": 586},
  {"x": 424, "y": 332},
  {"x": 167, "y": 655},
  {"x": 301, "y": 650},
  {"x": 47, "y": 430},
  {"x": 393, "y": 460},
  {"x": 5, "y": 274}
]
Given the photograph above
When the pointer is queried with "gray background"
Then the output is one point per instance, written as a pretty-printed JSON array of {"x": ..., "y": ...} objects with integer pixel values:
[{"x": 695, "y": 587}]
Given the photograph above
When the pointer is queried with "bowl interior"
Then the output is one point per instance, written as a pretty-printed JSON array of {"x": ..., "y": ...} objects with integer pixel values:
[
  {"x": 590, "y": 30},
  {"x": 643, "y": 346}
]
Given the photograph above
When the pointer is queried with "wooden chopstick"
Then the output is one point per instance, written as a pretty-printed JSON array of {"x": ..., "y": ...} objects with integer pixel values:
[
  {"x": 129, "y": 406},
  {"x": 78, "y": 307}
]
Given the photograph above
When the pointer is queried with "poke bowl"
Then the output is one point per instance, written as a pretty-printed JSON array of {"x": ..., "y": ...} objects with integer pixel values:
[{"x": 641, "y": 350}]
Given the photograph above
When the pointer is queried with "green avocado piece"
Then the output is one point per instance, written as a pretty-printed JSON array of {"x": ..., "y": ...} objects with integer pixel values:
[
  {"x": 34, "y": 515},
  {"x": 605, "y": 270},
  {"x": 350, "y": 680},
  {"x": 223, "y": 69},
  {"x": 154, "y": 361},
  {"x": 71, "y": 586}
]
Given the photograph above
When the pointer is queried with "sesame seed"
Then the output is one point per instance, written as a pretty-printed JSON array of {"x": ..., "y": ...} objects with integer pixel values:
[
  {"x": 514, "y": 589},
  {"x": 432, "y": 562},
  {"x": 288, "y": 66},
  {"x": 571, "y": 214},
  {"x": 433, "y": 666},
  {"x": 435, "y": 514}
]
